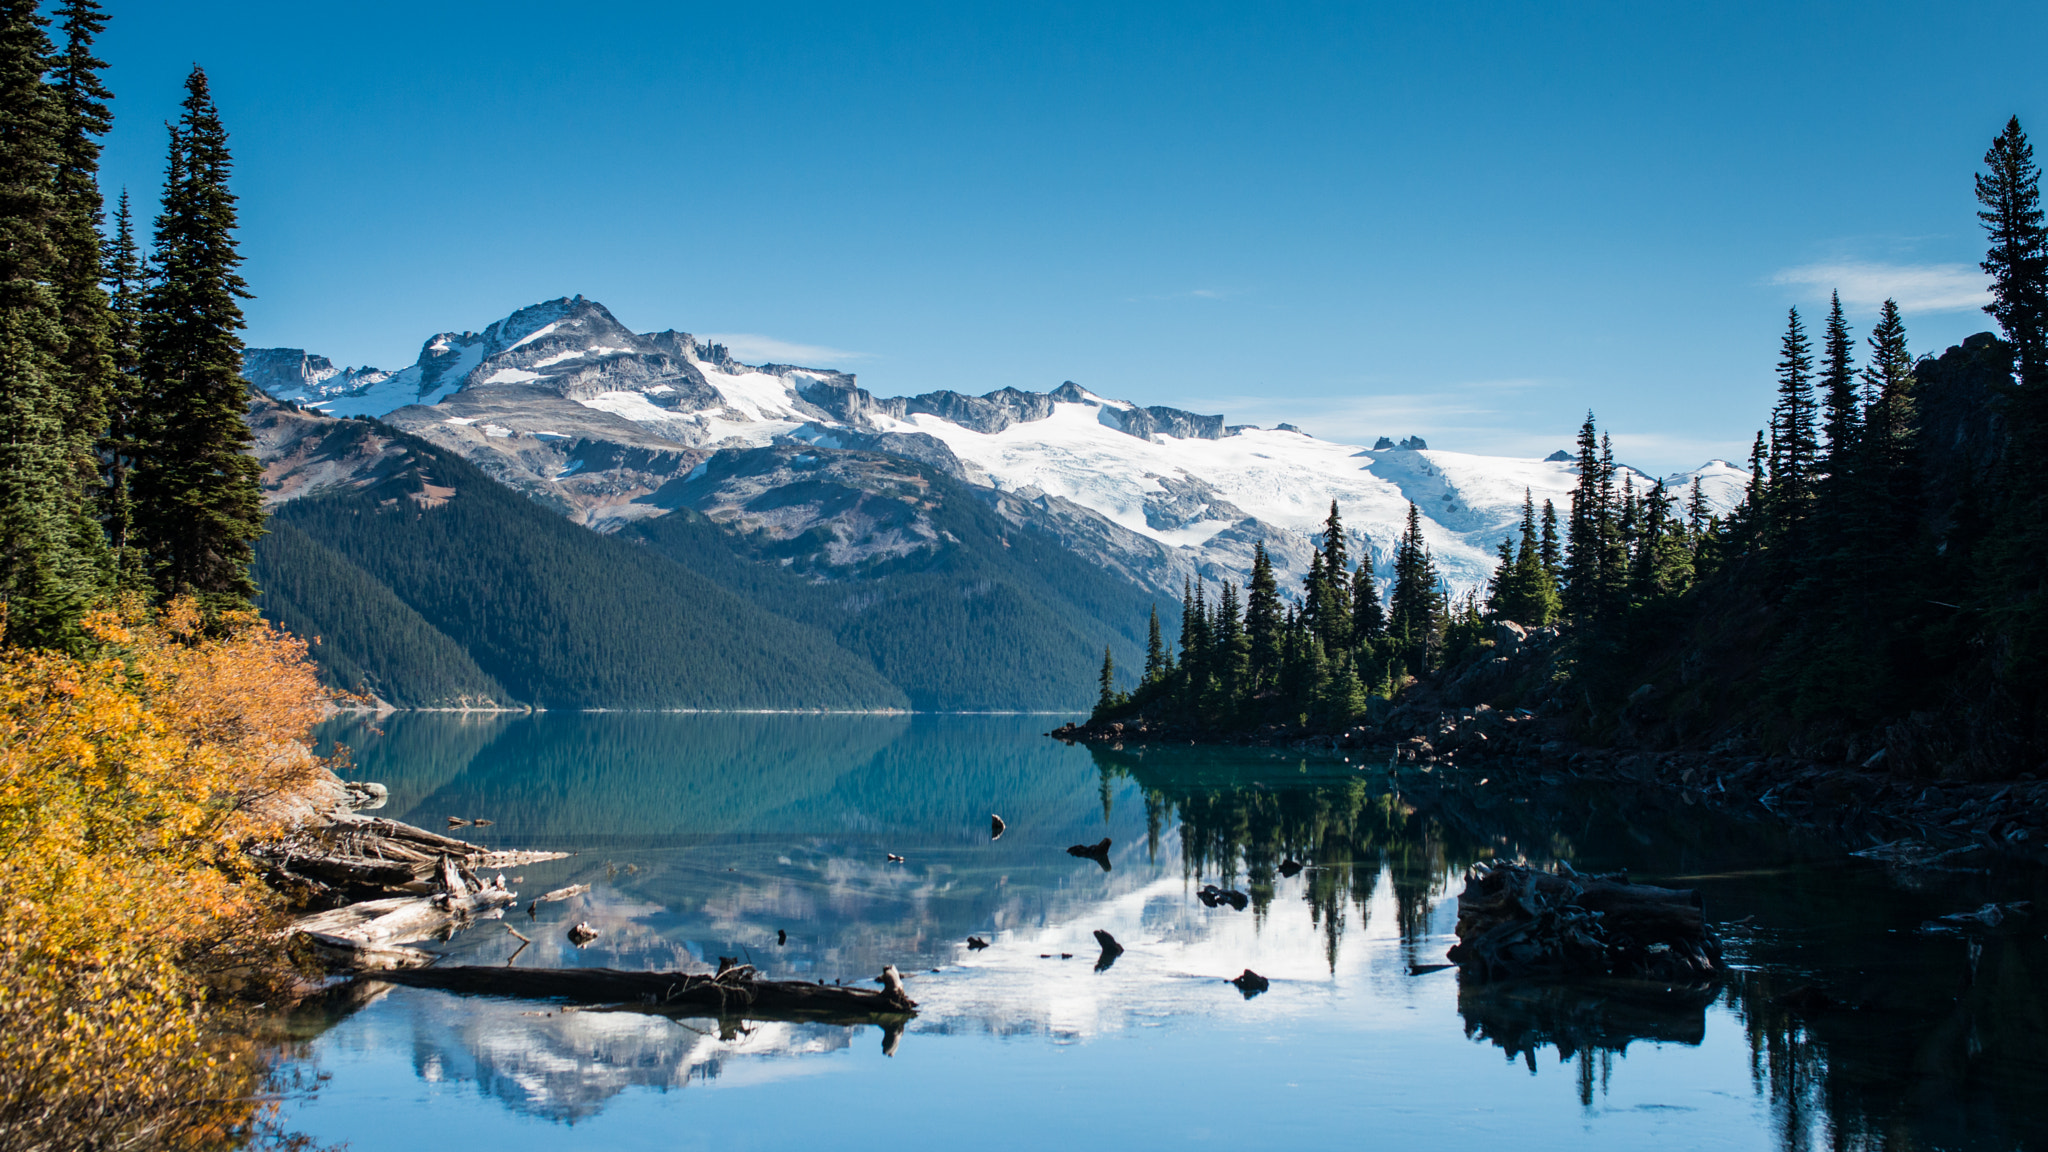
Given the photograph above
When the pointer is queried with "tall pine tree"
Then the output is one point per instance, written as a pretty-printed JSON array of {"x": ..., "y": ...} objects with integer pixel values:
[
  {"x": 1418, "y": 604},
  {"x": 50, "y": 566},
  {"x": 1585, "y": 531},
  {"x": 1794, "y": 443},
  {"x": 198, "y": 503},
  {"x": 127, "y": 418},
  {"x": 2016, "y": 589},
  {"x": 1262, "y": 620}
]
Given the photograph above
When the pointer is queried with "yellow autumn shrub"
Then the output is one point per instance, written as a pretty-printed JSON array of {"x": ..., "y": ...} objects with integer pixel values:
[{"x": 130, "y": 779}]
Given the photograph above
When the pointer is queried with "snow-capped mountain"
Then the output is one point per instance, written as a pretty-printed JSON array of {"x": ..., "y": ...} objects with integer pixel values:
[{"x": 562, "y": 401}]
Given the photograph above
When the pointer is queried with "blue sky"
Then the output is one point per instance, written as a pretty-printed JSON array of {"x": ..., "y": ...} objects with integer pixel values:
[{"x": 1472, "y": 223}]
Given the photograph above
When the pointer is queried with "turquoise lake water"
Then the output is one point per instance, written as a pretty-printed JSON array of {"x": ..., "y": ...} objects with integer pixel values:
[{"x": 704, "y": 835}]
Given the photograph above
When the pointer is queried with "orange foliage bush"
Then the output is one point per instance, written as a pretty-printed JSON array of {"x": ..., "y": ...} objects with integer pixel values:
[{"x": 130, "y": 779}]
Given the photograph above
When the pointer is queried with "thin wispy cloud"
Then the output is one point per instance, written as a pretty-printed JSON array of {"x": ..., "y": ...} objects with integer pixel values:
[
  {"x": 1184, "y": 294},
  {"x": 753, "y": 348},
  {"x": 1866, "y": 285}
]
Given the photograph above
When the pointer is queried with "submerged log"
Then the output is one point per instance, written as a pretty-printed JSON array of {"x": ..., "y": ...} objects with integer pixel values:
[
  {"x": 737, "y": 992},
  {"x": 1516, "y": 921}
]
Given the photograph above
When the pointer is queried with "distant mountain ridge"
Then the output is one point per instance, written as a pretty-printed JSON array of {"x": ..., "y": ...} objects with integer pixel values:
[{"x": 561, "y": 401}]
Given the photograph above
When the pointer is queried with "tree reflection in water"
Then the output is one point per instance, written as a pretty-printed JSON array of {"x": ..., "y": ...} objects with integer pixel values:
[{"x": 1908, "y": 1043}]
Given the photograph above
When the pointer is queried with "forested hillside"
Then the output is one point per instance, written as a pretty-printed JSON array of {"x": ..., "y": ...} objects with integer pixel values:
[
  {"x": 432, "y": 585},
  {"x": 556, "y": 614},
  {"x": 995, "y": 617}
]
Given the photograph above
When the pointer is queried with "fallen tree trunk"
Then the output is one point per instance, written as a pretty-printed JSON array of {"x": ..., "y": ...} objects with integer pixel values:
[
  {"x": 737, "y": 992},
  {"x": 356, "y": 956},
  {"x": 1516, "y": 921},
  {"x": 414, "y": 918}
]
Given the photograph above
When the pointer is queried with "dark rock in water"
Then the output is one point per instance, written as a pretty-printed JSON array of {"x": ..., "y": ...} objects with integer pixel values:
[
  {"x": 976, "y": 943},
  {"x": 582, "y": 934},
  {"x": 1250, "y": 983},
  {"x": 1208, "y": 895},
  {"x": 781, "y": 936},
  {"x": 1098, "y": 852},
  {"x": 1234, "y": 898},
  {"x": 995, "y": 827},
  {"x": 1516, "y": 921},
  {"x": 895, "y": 859},
  {"x": 1291, "y": 867}
]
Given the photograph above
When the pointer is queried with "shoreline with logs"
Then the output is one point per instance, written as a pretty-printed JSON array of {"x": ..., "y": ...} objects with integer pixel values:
[{"x": 375, "y": 886}]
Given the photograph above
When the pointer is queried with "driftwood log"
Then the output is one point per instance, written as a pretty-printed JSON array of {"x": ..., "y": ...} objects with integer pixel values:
[
  {"x": 1516, "y": 921},
  {"x": 738, "y": 991}
]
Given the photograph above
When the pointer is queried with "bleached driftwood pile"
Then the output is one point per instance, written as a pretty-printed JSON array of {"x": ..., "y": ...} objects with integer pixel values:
[{"x": 382, "y": 883}]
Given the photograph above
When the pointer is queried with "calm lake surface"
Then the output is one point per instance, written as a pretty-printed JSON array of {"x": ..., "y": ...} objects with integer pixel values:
[{"x": 703, "y": 836}]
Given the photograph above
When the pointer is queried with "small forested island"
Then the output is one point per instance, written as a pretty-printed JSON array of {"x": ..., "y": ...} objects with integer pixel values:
[{"x": 1874, "y": 611}]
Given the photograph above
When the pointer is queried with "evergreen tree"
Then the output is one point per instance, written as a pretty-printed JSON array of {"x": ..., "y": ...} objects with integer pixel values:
[
  {"x": 1368, "y": 619},
  {"x": 1262, "y": 620},
  {"x": 1663, "y": 563},
  {"x": 1417, "y": 604},
  {"x": 1699, "y": 515},
  {"x": 2010, "y": 195},
  {"x": 1106, "y": 698},
  {"x": 198, "y": 503},
  {"x": 1528, "y": 595},
  {"x": 1233, "y": 650},
  {"x": 2015, "y": 590},
  {"x": 1501, "y": 587},
  {"x": 1612, "y": 594},
  {"x": 1838, "y": 386},
  {"x": 1585, "y": 531},
  {"x": 48, "y": 567},
  {"x": 1552, "y": 555},
  {"x": 1342, "y": 694},
  {"x": 78, "y": 268},
  {"x": 1757, "y": 491},
  {"x": 1327, "y": 590},
  {"x": 1157, "y": 663},
  {"x": 127, "y": 425},
  {"x": 1794, "y": 446}
]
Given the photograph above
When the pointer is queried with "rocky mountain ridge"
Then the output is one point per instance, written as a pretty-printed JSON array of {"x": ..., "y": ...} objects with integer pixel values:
[{"x": 565, "y": 404}]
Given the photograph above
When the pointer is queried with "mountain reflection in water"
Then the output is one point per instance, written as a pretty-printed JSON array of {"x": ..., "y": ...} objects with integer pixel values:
[{"x": 702, "y": 836}]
